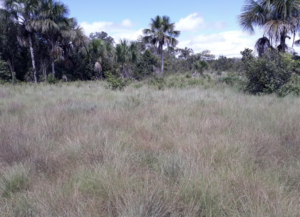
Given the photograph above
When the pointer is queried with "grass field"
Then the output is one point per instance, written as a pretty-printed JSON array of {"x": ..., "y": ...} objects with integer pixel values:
[{"x": 79, "y": 149}]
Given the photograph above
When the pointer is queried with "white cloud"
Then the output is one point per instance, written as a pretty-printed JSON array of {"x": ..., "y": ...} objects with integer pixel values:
[
  {"x": 195, "y": 22},
  {"x": 96, "y": 27},
  {"x": 190, "y": 23},
  {"x": 123, "y": 30},
  {"x": 228, "y": 43},
  {"x": 126, "y": 23},
  {"x": 127, "y": 34},
  {"x": 204, "y": 39}
]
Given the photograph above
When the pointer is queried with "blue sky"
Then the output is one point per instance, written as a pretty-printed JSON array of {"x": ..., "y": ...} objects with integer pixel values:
[{"x": 204, "y": 25}]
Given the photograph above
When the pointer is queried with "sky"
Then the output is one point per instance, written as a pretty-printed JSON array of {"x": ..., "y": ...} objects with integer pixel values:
[{"x": 204, "y": 25}]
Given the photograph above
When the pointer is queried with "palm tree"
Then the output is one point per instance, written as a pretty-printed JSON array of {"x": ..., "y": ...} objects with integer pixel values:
[
  {"x": 126, "y": 53},
  {"x": 161, "y": 32},
  {"x": 278, "y": 18},
  {"x": 9, "y": 45},
  {"x": 200, "y": 66},
  {"x": 97, "y": 51},
  {"x": 53, "y": 25},
  {"x": 23, "y": 13},
  {"x": 262, "y": 45},
  {"x": 71, "y": 40}
]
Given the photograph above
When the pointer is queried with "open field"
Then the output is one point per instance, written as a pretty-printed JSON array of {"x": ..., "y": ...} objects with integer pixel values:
[{"x": 79, "y": 149}]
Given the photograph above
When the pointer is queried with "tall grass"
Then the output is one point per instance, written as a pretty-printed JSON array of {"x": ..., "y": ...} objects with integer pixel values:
[{"x": 79, "y": 149}]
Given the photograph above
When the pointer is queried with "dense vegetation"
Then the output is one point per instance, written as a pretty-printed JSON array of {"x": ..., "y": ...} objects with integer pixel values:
[{"x": 40, "y": 43}]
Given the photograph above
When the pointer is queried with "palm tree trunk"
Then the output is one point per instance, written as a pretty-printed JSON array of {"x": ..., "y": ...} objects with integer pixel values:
[
  {"x": 282, "y": 42},
  {"x": 44, "y": 68},
  {"x": 53, "y": 68},
  {"x": 12, "y": 70},
  {"x": 32, "y": 59},
  {"x": 122, "y": 71}
]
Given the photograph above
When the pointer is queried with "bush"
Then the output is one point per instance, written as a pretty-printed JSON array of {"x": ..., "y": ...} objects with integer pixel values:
[
  {"x": 231, "y": 79},
  {"x": 291, "y": 87},
  {"x": 116, "y": 83},
  {"x": 188, "y": 76},
  {"x": 269, "y": 73},
  {"x": 51, "y": 79},
  {"x": 158, "y": 82},
  {"x": 5, "y": 75},
  {"x": 176, "y": 82}
]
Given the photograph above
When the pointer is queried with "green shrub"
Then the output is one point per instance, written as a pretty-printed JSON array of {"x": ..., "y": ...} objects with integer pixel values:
[
  {"x": 137, "y": 86},
  {"x": 176, "y": 82},
  {"x": 5, "y": 75},
  {"x": 269, "y": 73},
  {"x": 158, "y": 82},
  {"x": 116, "y": 83},
  {"x": 231, "y": 79},
  {"x": 51, "y": 79},
  {"x": 291, "y": 87},
  {"x": 188, "y": 76}
]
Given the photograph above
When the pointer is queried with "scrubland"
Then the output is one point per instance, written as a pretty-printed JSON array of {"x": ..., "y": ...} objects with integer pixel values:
[{"x": 79, "y": 149}]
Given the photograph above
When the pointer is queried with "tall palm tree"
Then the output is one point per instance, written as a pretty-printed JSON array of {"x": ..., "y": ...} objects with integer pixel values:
[
  {"x": 53, "y": 25},
  {"x": 278, "y": 18},
  {"x": 161, "y": 32},
  {"x": 71, "y": 40},
  {"x": 23, "y": 13},
  {"x": 126, "y": 53},
  {"x": 9, "y": 44}
]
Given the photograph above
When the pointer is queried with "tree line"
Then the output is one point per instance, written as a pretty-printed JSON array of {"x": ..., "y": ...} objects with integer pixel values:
[{"x": 40, "y": 42}]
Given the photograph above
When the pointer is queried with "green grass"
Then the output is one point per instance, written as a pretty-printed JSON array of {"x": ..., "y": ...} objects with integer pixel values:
[{"x": 79, "y": 149}]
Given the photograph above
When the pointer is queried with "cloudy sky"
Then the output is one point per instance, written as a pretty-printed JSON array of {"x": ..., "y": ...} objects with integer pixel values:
[{"x": 204, "y": 25}]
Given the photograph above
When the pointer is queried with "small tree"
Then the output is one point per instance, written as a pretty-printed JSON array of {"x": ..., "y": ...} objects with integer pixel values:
[
  {"x": 200, "y": 66},
  {"x": 268, "y": 73},
  {"x": 144, "y": 68}
]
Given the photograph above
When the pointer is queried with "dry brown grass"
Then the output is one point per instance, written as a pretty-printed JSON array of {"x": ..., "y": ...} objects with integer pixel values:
[{"x": 83, "y": 150}]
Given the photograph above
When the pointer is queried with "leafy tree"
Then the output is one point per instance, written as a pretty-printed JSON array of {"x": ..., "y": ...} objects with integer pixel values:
[
  {"x": 206, "y": 55},
  {"x": 161, "y": 32},
  {"x": 144, "y": 67},
  {"x": 185, "y": 53},
  {"x": 269, "y": 73},
  {"x": 247, "y": 55},
  {"x": 103, "y": 36}
]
